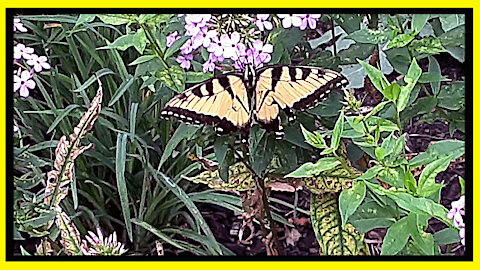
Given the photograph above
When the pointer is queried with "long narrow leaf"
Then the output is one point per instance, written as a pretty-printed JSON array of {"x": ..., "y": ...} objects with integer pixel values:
[{"x": 120, "y": 160}]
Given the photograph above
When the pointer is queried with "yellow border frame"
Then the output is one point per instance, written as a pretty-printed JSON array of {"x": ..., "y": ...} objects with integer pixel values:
[{"x": 248, "y": 4}]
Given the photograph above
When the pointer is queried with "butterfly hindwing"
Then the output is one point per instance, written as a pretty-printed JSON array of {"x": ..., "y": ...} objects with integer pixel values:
[
  {"x": 287, "y": 87},
  {"x": 221, "y": 102}
]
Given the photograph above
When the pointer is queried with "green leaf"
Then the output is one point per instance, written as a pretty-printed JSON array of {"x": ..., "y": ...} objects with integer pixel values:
[
  {"x": 452, "y": 96},
  {"x": 430, "y": 45},
  {"x": 451, "y": 21},
  {"x": 60, "y": 117},
  {"x": 380, "y": 153},
  {"x": 184, "y": 131},
  {"x": 309, "y": 169},
  {"x": 389, "y": 144},
  {"x": 399, "y": 58},
  {"x": 122, "y": 43},
  {"x": 410, "y": 182},
  {"x": 350, "y": 199},
  {"x": 429, "y": 77},
  {"x": 212, "y": 244},
  {"x": 197, "y": 77},
  {"x": 407, "y": 201},
  {"x": 221, "y": 147},
  {"x": 424, "y": 241},
  {"x": 115, "y": 19},
  {"x": 314, "y": 139},
  {"x": 174, "y": 78},
  {"x": 122, "y": 89},
  {"x": 337, "y": 132},
  {"x": 419, "y": 21},
  {"x": 120, "y": 161},
  {"x": 157, "y": 232},
  {"x": 411, "y": 79},
  {"x": 426, "y": 182},
  {"x": 369, "y": 36},
  {"x": 438, "y": 150},
  {"x": 370, "y": 215},
  {"x": 446, "y": 236},
  {"x": 370, "y": 173},
  {"x": 401, "y": 40},
  {"x": 143, "y": 59},
  {"x": 453, "y": 38},
  {"x": 397, "y": 236},
  {"x": 24, "y": 252},
  {"x": 84, "y": 18},
  {"x": 262, "y": 146},
  {"x": 462, "y": 184},
  {"x": 392, "y": 92},
  {"x": 433, "y": 68},
  {"x": 393, "y": 176},
  {"x": 140, "y": 40},
  {"x": 176, "y": 46},
  {"x": 376, "y": 76},
  {"x": 377, "y": 108}
]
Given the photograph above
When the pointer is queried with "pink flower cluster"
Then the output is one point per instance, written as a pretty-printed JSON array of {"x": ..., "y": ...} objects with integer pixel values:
[
  {"x": 243, "y": 48},
  {"x": 221, "y": 47},
  {"x": 22, "y": 80},
  {"x": 456, "y": 215}
]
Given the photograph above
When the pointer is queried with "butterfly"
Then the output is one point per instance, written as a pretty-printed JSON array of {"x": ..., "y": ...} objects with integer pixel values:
[{"x": 231, "y": 102}]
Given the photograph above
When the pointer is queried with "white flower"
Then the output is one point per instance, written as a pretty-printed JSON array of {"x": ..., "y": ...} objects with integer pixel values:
[
  {"x": 17, "y": 25},
  {"x": 21, "y": 50},
  {"x": 38, "y": 63},
  {"x": 23, "y": 83},
  {"x": 290, "y": 19}
]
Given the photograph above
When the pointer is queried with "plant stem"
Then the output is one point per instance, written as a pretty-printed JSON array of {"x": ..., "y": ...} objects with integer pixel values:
[
  {"x": 260, "y": 182},
  {"x": 156, "y": 47},
  {"x": 333, "y": 37},
  {"x": 266, "y": 207},
  {"x": 399, "y": 23}
]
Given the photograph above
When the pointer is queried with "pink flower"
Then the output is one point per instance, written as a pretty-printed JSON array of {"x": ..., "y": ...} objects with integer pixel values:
[
  {"x": 258, "y": 55},
  {"x": 194, "y": 22},
  {"x": 187, "y": 47},
  {"x": 264, "y": 51},
  {"x": 310, "y": 20},
  {"x": 21, "y": 50},
  {"x": 15, "y": 129},
  {"x": 184, "y": 61},
  {"x": 172, "y": 37},
  {"x": 225, "y": 46},
  {"x": 23, "y": 83},
  {"x": 290, "y": 19},
  {"x": 17, "y": 25},
  {"x": 209, "y": 65},
  {"x": 262, "y": 22},
  {"x": 204, "y": 37},
  {"x": 38, "y": 63}
]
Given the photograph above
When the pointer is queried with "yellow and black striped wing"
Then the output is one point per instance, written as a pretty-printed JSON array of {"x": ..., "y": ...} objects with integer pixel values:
[
  {"x": 221, "y": 102},
  {"x": 288, "y": 87}
]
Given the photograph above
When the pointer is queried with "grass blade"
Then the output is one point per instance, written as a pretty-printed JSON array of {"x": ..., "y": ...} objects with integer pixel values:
[
  {"x": 61, "y": 116},
  {"x": 120, "y": 160},
  {"x": 121, "y": 90}
]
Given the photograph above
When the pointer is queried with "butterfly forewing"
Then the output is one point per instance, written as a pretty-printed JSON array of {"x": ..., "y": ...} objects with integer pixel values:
[
  {"x": 286, "y": 87},
  {"x": 221, "y": 102}
]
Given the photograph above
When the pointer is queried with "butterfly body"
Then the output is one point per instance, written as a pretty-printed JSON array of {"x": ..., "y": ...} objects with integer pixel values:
[{"x": 231, "y": 102}]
